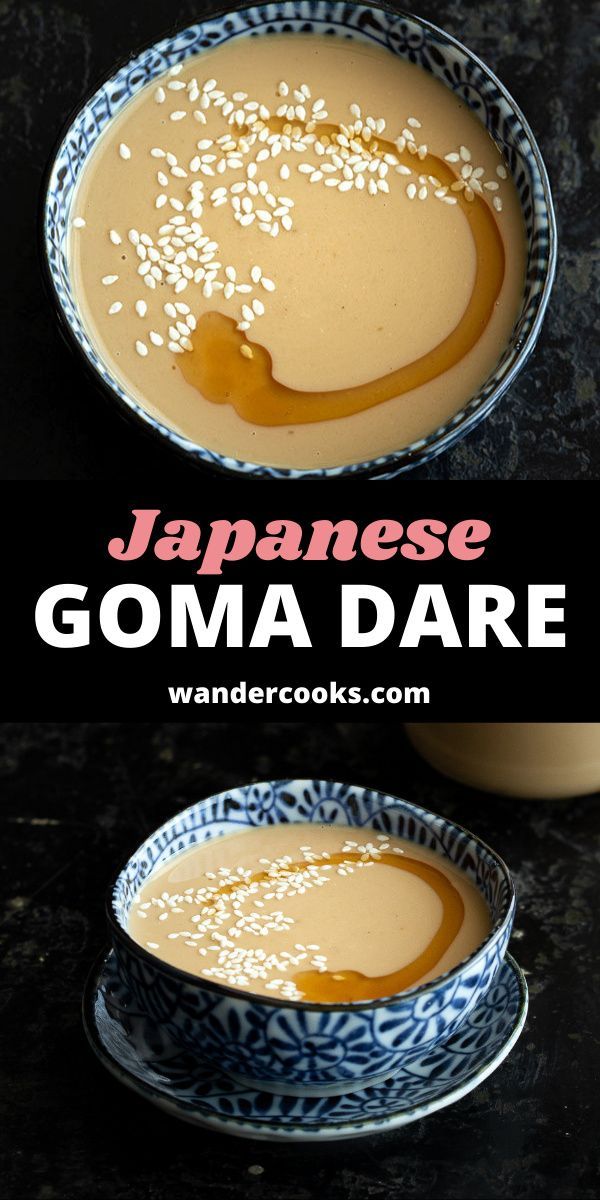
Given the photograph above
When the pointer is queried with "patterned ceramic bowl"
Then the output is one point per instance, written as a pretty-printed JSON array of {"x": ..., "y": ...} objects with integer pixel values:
[
  {"x": 293, "y": 1046},
  {"x": 410, "y": 38}
]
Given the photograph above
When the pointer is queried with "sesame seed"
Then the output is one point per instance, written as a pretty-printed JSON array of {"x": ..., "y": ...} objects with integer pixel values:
[
  {"x": 78, "y": 223},
  {"x": 108, "y": 280},
  {"x": 142, "y": 350},
  {"x": 124, "y": 151},
  {"x": 115, "y": 308}
]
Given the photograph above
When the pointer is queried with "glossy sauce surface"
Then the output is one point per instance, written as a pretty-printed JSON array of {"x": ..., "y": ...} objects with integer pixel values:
[
  {"x": 221, "y": 374},
  {"x": 387, "y": 313},
  {"x": 323, "y": 913}
]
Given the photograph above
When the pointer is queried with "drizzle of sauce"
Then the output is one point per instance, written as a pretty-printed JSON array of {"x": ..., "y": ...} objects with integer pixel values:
[
  {"x": 335, "y": 987},
  {"x": 223, "y": 375}
]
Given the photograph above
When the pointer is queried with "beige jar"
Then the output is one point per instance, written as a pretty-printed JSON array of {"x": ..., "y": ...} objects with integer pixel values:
[{"x": 536, "y": 760}]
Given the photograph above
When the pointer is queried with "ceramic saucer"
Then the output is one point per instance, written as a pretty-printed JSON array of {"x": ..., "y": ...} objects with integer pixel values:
[{"x": 139, "y": 1053}]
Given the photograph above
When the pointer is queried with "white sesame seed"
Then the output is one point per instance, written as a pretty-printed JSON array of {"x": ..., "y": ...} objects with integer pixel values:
[
  {"x": 178, "y": 114},
  {"x": 124, "y": 151},
  {"x": 268, "y": 284},
  {"x": 156, "y": 340},
  {"x": 115, "y": 308},
  {"x": 78, "y": 223},
  {"x": 109, "y": 279},
  {"x": 142, "y": 350},
  {"x": 160, "y": 95},
  {"x": 502, "y": 172}
]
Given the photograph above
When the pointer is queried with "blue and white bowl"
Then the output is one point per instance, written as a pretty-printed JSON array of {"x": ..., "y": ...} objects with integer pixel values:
[
  {"x": 295, "y": 1047},
  {"x": 410, "y": 38}
]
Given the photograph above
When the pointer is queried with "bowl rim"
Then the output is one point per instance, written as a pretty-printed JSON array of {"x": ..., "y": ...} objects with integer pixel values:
[
  {"x": 397, "y": 461},
  {"x": 245, "y": 995}
]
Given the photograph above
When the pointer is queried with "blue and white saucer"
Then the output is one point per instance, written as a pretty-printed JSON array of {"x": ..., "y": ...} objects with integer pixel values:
[{"x": 138, "y": 1052}]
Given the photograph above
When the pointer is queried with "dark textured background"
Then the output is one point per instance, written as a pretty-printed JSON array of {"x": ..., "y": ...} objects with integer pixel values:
[
  {"x": 53, "y": 425},
  {"x": 77, "y": 799}
]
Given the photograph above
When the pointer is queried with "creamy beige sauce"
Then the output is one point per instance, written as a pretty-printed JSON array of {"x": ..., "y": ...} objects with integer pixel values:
[
  {"x": 364, "y": 285},
  {"x": 529, "y": 759},
  {"x": 324, "y": 913}
]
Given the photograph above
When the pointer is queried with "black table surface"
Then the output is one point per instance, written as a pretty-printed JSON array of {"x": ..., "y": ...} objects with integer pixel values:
[
  {"x": 77, "y": 799},
  {"x": 53, "y": 424}
]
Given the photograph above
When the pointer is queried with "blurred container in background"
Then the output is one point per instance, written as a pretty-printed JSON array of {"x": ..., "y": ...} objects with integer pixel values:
[{"x": 536, "y": 760}]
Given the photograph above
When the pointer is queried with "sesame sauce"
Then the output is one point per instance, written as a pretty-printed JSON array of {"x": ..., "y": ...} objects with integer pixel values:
[
  {"x": 343, "y": 985},
  {"x": 323, "y": 922},
  {"x": 224, "y": 376}
]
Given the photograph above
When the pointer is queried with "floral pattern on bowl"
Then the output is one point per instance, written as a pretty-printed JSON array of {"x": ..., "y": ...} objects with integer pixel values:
[
  {"x": 403, "y": 34},
  {"x": 141, "y": 1055},
  {"x": 292, "y": 1045}
]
